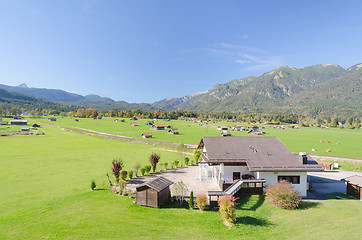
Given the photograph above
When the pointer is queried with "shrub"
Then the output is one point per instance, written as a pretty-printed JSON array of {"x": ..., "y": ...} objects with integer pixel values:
[
  {"x": 165, "y": 164},
  {"x": 176, "y": 163},
  {"x": 130, "y": 174},
  {"x": 147, "y": 168},
  {"x": 93, "y": 185},
  {"x": 172, "y": 165},
  {"x": 154, "y": 159},
  {"x": 227, "y": 205},
  {"x": 197, "y": 155},
  {"x": 179, "y": 190},
  {"x": 122, "y": 184},
  {"x": 117, "y": 165},
  {"x": 201, "y": 201},
  {"x": 282, "y": 195},
  {"x": 123, "y": 174},
  {"x": 192, "y": 162},
  {"x": 136, "y": 166},
  {"x": 191, "y": 203},
  {"x": 143, "y": 171},
  {"x": 186, "y": 161}
]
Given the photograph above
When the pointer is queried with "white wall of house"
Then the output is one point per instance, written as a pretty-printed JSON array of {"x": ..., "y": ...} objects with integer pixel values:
[
  {"x": 226, "y": 172},
  {"x": 272, "y": 177}
]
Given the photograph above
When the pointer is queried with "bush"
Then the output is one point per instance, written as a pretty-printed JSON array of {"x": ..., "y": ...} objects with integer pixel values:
[
  {"x": 192, "y": 162},
  {"x": 117, "y": 165},
  {"x": 123, "y": 174},
  {"x": 165, "y": 164},
  {"x": 201, "y": 201},
  {"x": 179, "y": 189},
  {"x": 186, "y": 161},
  {"x": 130, "y": 174},
  {"x": 227, "y": 205},
  {"x": 93, "y": 185},
  {"x": 154, "y": 159},
  {"x": 122, "y": 184},
  {"x": 136, "y": 166},
  {"x": 143, "y": 171},
  {"x": 282, "y": 195},
  {"x": 176, "y": 163},
  {"x": 172, "y": 165},
  {"x": 191, "y": 203},
  {"x": 197, "y": 155},
  {"x": 147, "y": 168}
]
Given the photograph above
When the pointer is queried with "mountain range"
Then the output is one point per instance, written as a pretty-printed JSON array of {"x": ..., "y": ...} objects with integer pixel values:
[{"x": 320, "y": 89}]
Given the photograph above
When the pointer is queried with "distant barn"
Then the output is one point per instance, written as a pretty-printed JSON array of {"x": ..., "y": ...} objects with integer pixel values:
[
  {"x": 3, "y": 122},
  {"x": 35, "y": 125},
  {"x": 173, "y": 131},
  {"x": 52, "y": 119},
  {"x": 158, "y": 127},
  {"x": 154, "y": 193},
  {"x": 134, "y": 124},
  {"x": 19, "y": 122},
  {"x": 146, "y": 135},
  {"x": 119, "y": 120},
  {"x": 354, "y": 186}
]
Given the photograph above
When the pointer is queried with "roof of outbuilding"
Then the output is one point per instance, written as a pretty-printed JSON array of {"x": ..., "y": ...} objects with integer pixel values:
[
  {"x": 259, "y": 153},
  {"x": 355, "y": 180},
  {"x": 158, "y": 184}
]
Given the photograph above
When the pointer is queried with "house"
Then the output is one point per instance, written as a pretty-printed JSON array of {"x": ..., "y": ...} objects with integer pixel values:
[
  {"x": 225, "y": 133},
  {"x": 255, "y": 132},
  {"x": 134, "y": 124},
  {"x": 173, "y": 131},
  {"x": 354, "y": 186},
  {"x": 146, "y": 135},
  {"x": 35, "y": 125},
  {"x": 19, "y": 122},
  {"x": 119, "y": 120},
  {"x": 222, "y": 128},
  {"x": 266, "y": 159},
  {"x": 150, "y": 123},
  {"x": 25, "y": 129},
  {"x": 153, "y": 193},
  {"x": 238, "y": 128},
  {"x": 158, "y": 127},
  {"x": 134, "y": 119},
  {"x": 52, "y": 119}
]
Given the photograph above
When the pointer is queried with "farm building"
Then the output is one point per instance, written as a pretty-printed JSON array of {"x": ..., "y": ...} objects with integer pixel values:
[
  {"x": 326, "y": 166},
  {"x": 17, "y": 117},
  {"x": 134, "y": 124},
  {"x": 149, "y": 123},
  {"x": 244, "y": 164},
  {"x": 119, "y": 120},
  {"x": 52, "y": 119},
  {"x": 255, "y": 132},
  {"x": 134, "y": 119},
  {"x": 3, "y": 122},
  {"x": 354, "y": 186},
  {"x": 146, "y": 135},
  {"x": 25, "y": 129},
  {"x": 222, "y": 128},
  {"x": 35, "y": 125},
  {"x": 19, "y": 122},
  {"x": 238, "y": 128},
  {"x": 158, "y": 127},
  {"x": 225, "y": 133},
  {"x": 173, "y": 131},
  {"x": 77, "y": 120},
  {"x": 154, "y": 193}
]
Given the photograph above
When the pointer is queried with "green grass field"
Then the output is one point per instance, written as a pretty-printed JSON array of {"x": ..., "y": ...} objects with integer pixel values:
[
  {"x": 45, "y": 193},
  {"x": 297, "y": 140}
]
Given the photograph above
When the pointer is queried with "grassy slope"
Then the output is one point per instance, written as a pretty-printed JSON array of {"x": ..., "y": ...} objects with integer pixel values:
[
  {"x": 45, "y": 193},
  {"x": 297, "y": 140},
  {"x": 60, "y": 163}
]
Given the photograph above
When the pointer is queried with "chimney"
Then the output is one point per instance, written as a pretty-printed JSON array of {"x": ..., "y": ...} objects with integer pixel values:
[{"x": 303, "y": 158}]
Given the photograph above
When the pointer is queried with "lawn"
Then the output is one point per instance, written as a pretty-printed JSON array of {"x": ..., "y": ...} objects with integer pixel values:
[
  {"x": 45, "y": 192},
  {"x": 297, "y": 140}
]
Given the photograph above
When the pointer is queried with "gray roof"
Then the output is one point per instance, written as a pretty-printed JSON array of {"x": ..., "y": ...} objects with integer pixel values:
[
  {"x": 355, "y": 180},
  {"x": 259, "y": 153},
  {"x": 158, "y": 184}
]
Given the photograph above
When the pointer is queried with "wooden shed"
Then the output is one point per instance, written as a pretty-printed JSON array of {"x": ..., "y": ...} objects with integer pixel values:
[
  {"x": 354, "y": 186},
  {"x": 146, "y": 135},
  {"x": 154, "y": 193},
  {"x": 173, "y": 131}
]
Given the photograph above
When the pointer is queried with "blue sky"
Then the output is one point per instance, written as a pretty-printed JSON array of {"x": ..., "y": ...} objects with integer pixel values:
[{"x": 144, "y": 51}]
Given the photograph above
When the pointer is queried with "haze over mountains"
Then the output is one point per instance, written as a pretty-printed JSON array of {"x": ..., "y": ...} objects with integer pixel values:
[{"x": 319, "y": 89}]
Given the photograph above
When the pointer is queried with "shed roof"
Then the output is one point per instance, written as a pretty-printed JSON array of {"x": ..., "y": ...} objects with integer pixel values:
[
  {"x": 259, "y": 153},
  {"x": 355, "y": 180},
  {"x": 18, "y": 121},
  {"x": 158, "y": 184}
]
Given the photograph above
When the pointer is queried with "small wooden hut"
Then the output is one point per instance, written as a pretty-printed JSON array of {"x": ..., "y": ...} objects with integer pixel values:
[
  {"x": 354, "y": 186},
  {"x": 153, "y": 193}
]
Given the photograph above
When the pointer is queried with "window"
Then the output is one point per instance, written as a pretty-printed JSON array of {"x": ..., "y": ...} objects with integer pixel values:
[
  {"x": 291, "y": 179},
  {"x": 236, "y": 176}
]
